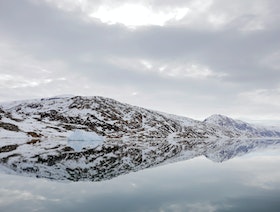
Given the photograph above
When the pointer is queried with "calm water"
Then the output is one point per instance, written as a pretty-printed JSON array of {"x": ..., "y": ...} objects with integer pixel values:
[{"x": 247, "y": 183}]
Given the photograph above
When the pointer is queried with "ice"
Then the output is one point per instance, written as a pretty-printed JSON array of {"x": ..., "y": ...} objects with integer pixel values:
[{"x": 80, "y": 139}]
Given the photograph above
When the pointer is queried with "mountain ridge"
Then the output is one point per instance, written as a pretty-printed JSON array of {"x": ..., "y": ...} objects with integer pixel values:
[
  {"x": 60, "y": 115},
  {"x": 241, "y": 126}
]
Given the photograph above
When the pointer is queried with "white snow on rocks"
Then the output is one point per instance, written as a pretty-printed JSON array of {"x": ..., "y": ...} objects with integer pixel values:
[{"x": 80, "y": 139}]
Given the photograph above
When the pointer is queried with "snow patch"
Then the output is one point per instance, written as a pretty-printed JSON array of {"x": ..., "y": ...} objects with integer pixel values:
[{"x": 80, "y": 139}]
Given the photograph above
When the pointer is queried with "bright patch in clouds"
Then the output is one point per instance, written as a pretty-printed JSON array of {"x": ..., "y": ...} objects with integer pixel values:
[
  {"x": 218, "y": 20},
  {"x": 147, "y": 64},
  {"x": 188, "y": 70},
  {"x": 9, "y": 81},
  {"x": 137, "y": 15},
  {"x": 171, "y": 69}
]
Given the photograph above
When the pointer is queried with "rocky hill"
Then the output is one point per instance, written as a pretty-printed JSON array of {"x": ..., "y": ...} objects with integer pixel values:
[
  {"x": 241, "y": 127},
  {"x": 58, "y": 116}
]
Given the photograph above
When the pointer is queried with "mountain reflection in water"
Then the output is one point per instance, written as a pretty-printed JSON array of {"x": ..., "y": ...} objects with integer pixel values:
[
  {"x": 249, "y": 182},
  {"x": 116, "y": 158}
]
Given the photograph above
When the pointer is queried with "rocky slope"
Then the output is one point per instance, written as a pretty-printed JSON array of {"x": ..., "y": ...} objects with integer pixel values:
[
  {"x": 241, "y": 127},
  {"x": 58, "y": 116}
]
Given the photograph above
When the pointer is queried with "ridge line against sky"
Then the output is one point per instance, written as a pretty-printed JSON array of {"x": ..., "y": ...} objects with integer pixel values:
[{"x": 192, "y": 58}]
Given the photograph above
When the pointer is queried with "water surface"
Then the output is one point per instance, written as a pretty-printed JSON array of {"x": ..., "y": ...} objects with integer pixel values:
[{"x": 250, "y": 182}]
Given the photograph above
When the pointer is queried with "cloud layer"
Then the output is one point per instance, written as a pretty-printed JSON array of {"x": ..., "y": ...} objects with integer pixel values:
[{"x": 193, "y": 58}]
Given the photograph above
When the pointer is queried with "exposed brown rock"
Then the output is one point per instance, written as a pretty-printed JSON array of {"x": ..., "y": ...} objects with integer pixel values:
[
  {"x": 8, "y": 126},
  {"x": 33, "y": 141},
  {"x": 8, "y": 148},
  {"x": 34, "y": 135}
]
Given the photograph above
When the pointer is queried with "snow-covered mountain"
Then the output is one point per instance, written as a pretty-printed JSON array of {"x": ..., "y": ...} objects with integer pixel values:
[
  {"x": 59, "y": 116},
  {"x": 33, "y": 138},
  {"x": 241, "y": 127}
]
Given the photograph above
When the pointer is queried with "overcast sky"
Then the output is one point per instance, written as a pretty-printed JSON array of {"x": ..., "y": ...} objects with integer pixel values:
[{"x": 187, "y": 57}]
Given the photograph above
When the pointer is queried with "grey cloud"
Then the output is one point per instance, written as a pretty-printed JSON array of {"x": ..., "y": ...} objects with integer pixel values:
[
  {"x": 48, "y": 33},
  {"x": 68, "y": 37}
]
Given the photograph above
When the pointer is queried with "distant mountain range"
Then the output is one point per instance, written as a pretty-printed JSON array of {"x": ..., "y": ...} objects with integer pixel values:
[{"x": 59, "y": 116}]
